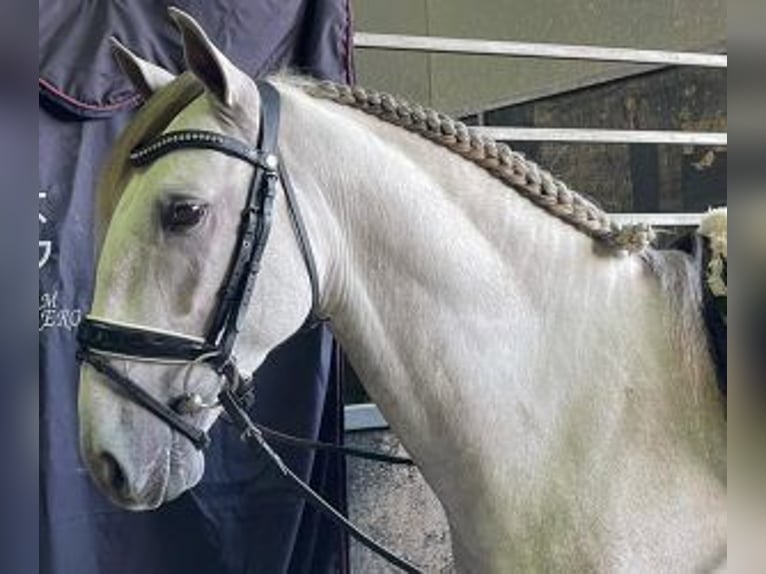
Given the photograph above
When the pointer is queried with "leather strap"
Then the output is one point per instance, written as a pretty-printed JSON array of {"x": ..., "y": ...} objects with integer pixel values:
[
  {"x": 125, "y": 386},
  {"x": 254, "y": 229},
  {"x": 117, "y": 339},
  {"x": 299, "y": 442},
  {"x": 252, "y": 435},
  {"x": 195, "y": 140},
  {"x": 301, "y": 235}
]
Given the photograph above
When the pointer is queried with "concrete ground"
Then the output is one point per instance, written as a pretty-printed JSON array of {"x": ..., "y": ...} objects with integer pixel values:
[{"x": 397, "y": 508}]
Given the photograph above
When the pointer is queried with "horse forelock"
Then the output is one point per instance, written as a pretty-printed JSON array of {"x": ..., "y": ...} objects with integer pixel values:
[{"x": 153, "y": 117}]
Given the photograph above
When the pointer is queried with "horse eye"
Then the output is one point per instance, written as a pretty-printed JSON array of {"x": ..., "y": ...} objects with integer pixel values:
[{"x": 182, "y": 215}]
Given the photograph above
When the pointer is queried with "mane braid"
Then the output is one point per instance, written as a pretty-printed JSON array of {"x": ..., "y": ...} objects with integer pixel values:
[{"x": 523, "y": 175}]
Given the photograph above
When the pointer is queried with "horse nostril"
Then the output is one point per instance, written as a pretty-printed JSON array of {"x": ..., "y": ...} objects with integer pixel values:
[{"x": 110, "y": 472}]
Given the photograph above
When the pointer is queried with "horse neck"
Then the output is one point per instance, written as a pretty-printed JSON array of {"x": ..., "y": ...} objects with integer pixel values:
[{"x": 457, "y": 300}]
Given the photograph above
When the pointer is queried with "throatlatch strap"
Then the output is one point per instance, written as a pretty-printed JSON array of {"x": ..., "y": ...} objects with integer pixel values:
[{"x": 301, "y": 235}]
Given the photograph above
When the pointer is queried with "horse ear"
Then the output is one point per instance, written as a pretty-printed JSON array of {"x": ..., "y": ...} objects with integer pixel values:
[
  {"x": 216, "y": 72},
  {"x": 146, "y": 77}
]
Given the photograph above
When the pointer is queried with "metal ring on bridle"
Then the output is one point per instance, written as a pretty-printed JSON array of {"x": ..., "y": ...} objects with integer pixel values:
[{"x": 193, "y": 403}]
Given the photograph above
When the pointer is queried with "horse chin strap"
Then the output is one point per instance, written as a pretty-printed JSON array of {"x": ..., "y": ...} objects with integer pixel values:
[{"x": 101, "y": 339}]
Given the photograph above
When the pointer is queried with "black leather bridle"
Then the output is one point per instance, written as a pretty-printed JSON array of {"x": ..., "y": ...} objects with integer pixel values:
[{"x": 101, "y": 339}]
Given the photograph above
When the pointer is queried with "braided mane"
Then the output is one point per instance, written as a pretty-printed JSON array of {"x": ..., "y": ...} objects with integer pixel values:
[{"x": 522, "y": 174}]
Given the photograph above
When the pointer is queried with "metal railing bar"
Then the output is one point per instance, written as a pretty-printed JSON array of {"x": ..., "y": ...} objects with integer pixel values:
[
  {"x": 659, "y": 219},
  {"x": 607, "y": 136},
  {"x": 399, "y": 42}
]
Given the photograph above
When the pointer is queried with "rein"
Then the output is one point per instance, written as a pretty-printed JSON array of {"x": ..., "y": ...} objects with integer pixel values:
[{"x": 101, "y": 339}]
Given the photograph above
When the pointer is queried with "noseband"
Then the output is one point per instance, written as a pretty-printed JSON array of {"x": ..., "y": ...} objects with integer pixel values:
[{"x": 101, "y": 339}]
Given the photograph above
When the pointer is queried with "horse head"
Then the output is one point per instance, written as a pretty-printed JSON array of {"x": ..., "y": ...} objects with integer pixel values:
[{"x": 166, "y": 273}]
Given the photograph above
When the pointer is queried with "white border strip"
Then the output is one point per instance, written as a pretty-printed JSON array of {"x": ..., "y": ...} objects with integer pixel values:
[
  {"x": 536, "y": 50},
  {"x": 603, "y": 136},
  {"x": 659, "y": 219},
  {"x": 365, "y": 416}
]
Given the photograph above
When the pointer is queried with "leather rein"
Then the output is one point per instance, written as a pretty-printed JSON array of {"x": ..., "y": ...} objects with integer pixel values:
[{"x": 101, "y": 339}]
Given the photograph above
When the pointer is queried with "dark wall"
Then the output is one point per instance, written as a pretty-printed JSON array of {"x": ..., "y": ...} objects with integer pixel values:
[{"x": 634, "y": 177}]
